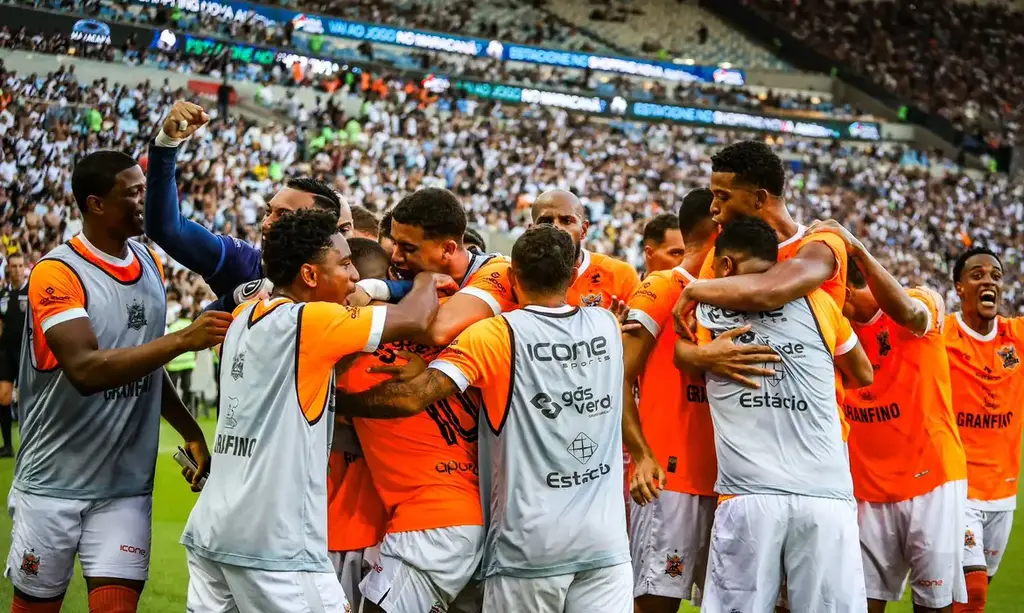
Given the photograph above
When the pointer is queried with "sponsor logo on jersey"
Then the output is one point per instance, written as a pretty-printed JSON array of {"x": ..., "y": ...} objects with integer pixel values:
[
  {"x": 872, "y": 415},
  {"x": 988, "y": 421},
  {"x": 52, "y": 297},
  {"x": 674, "y": 566},
  {"x": 451, "y": 466},
  {"x": 576, "y": 355},
  {"x": 582, "y": 399},
  {"x": 766, "y": 400},
  {"x": 697, "y": 393},
  {"x": 239, "y": 446},
  {"x": 136, "y": 315},
  {"x": 577, "y": 478},
  {"x": 133, "y": 549},
  {"x": 582, "y": 448},
  {"x": 129, "y": 390}
]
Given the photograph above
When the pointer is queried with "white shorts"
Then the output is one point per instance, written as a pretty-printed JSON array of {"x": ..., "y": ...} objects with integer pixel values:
[
  {"x": 111, "y": 537},
  {"x": 351, "y": 567},
  {"x": 424, "y": 569},
  {"x": 920, "y": 535},
  {"x": 986, "y": 537},
  {"x": 669, "y": 539},
  {"x": 224, "y": 588},
  {"x": 603, "y": 590},
  {"x": 758, "y": 538}
]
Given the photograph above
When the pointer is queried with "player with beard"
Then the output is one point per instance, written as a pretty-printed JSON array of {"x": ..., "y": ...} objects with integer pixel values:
[
  {"x": 600, "y": 280},
  {"x": 434, "y": 537},
  {"x": 908, "y": 464},
  {"x": 985, "y": 350},
  {"x": 669, "y": 536},
  {"x": 232, "y": 268}
]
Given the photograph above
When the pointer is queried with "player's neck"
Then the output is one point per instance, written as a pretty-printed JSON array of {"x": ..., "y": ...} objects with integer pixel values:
[
  {"x": 777, "y": 216},
  {"x": 977, "y": 323},
  {"x": 459, "y": 266},
  {"x": 550, "y": 302},
  {"x": 105, "y": 243}
]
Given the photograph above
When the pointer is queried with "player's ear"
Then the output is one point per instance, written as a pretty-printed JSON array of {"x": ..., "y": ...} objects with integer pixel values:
[
  {"x": 513, "y": 282},
  {"x": 648, "y": 250},
  {"x": 309, "y": 274},
  {"x": 760, "y": 198},
  {"x": 449, "y": 247}
]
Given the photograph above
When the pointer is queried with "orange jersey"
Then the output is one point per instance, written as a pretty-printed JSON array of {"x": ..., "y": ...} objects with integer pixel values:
[
  {"x": 490, "y": 283},
  {"x": 355, "y": 514},
  {"x": 56, "y": 294},
  {"x": 600, "y": 277},
  {"x": 988, "y": 384},
  {"x": 424, "y": 467},
  {"x": 834, "y": 287},
  {"x": 674, "y": 411},
  {"x": 904, "y": 440}
]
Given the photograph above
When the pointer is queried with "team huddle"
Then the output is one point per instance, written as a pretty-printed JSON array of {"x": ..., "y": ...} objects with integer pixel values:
[{"x": 409, "y": 424}]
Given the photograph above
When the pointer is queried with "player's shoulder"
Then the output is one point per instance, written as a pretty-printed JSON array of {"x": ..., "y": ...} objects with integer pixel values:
[
  {"x": 497, "y": 264},
  {"x": 660, "y": 285},
  {"x": 600, "y": 261}
]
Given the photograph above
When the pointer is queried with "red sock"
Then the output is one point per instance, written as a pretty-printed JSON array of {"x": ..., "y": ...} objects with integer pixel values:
[
  {"x": 20, "y": 605},
  {"x": 977, "y": 593},
  {"x": 113, "y": 599}
]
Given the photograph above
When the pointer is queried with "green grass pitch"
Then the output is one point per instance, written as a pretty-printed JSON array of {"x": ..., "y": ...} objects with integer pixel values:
[{"x": 165, "y": 592}]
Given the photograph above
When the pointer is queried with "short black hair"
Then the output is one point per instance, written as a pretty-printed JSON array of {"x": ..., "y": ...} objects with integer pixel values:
[
  {"x": 961, "y": 262},
  {"x": 472, "y": 238},
  {"x": 656, "y": 228},
  {"x": 751, "y": 236},
  {"x": 434, "y": 210},
  {"x": 753, "y": 163},
  {"x": 695, "y": 209},
  {"x": 364, "y": 220},
  {"x": 96, "y": 174},
  {"x": 544, "y": 259},
  {"x": 385, "y": 226},
  {"x": 368, "y": 254},
  {"x": 323, "y": 196},
  {"x": 295, "y": 239}
]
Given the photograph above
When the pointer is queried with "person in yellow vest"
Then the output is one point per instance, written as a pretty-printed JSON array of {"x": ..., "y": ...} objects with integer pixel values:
[{"x": 180, "y": 368}]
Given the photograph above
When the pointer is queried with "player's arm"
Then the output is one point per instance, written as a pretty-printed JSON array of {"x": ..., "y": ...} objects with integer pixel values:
[
  {"x": 489, "y": 293},
  {"x": 175, "y": 413},
  {"x": 57, "y": 301},
  {"x": 908, "y": 312},
  {"x": 723, "y": 357},
  {"x": 794, "y": 278},
  {"x": 396, "y": 398},
  {"x": 854, "y": 366}
]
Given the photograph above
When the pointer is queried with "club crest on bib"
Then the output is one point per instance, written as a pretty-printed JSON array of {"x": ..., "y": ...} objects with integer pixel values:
[
  {"x": 674, "y": 566},
  {"x": 238, "y": 366},
  {"x": 1009, "y": 357},
  {"x": 30, "y": 563},
  {"x": 136, "y": 315},
  {"x": 591, "y": 300}
]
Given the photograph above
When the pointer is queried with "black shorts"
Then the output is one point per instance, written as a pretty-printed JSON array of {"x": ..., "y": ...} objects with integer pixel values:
[{"x": 8, "y": 366}]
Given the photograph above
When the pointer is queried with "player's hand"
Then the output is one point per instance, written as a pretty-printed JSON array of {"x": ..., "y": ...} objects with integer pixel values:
[
  {"x": 358, "y": 298},
  {"x": 681, "y": 317},
  {"x": 201, "y": 454},
  {"x": 834, "y": 227},
  {"x": 726, "y": 359},
  {"x": 444, "y": 284},
  {"x": 405, "y": 372},
  {"x": 620, "y": 309},
  {"x": 648, "y": 480},
  {"x": 208, "y": 330},
  {"x": 184, "y": 119}
]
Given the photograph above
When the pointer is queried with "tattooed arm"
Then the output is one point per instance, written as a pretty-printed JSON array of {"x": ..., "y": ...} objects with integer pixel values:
[{"x": 396, "y": 398}]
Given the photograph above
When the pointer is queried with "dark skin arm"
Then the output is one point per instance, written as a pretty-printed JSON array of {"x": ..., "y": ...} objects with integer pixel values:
[
  {"x": 725, "y": 358},
  {"x": 648, "y": 477},
  {"x": 855, "y": 368},
  {"x": 175, "y": 413},
  {"x": 814, "y": 264},
  {"x": 397, "y": 398},
  {"x": 91, "y": 369},
  {"x": 455, "y": 315},
  {"x": 888, "y": 293}
]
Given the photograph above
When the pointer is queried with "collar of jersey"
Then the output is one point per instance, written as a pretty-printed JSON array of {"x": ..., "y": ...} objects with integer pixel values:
[
  {"x": 584, "y": 263},
  {"x": 106, "y": 257},
  {"x": 686, "y": 273},
  {"x": 969, "y": 331},
  {"x": 565, "y": 308},
  {"x": 800, "y": 231}
]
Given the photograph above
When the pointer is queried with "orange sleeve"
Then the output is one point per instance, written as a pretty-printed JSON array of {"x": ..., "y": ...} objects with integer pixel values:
[
  {"x": 492, "y": 285},
  {"x": 703, "y": 335},
  {"x": 836, "y": 285},
  {"x": 482, "y": 357},
  {"x": 159, "y": 264},
  {"x": 238, "y": 309},
  {"x": 838, "y": 333},
  {"x": 55, "y": 295},
  {"x": 327, "y": 333},
  {"x": 936, "y": 309},
  {"x": 652, "y": 303}
]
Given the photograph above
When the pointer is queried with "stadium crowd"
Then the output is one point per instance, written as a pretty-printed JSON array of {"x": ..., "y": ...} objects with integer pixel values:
[{"x": 949, "y": 57}]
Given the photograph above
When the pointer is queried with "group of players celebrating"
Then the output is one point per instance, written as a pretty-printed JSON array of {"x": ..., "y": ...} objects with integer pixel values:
[{"x": 410, "y": 425}]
